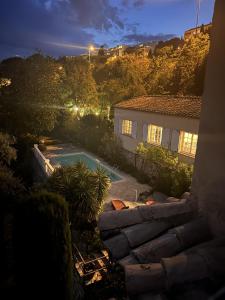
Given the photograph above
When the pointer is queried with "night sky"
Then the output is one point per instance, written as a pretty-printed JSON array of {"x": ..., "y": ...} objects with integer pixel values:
[{"x": 66, "y": 27}]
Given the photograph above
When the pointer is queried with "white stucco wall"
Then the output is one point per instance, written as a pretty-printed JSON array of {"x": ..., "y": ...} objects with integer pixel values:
[{"x": 171, "y": 128}]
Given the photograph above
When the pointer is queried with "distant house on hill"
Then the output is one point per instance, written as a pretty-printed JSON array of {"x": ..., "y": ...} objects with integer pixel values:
[
  {"x": 197, "y": 30},
  {"x": 168, "y": 121}
]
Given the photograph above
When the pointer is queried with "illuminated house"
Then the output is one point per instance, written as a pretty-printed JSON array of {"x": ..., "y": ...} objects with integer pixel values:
[{"x": 168, "y": 121}]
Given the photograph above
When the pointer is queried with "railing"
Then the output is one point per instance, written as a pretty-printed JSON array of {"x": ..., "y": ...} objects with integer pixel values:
[{"x": 44, "y": 162}]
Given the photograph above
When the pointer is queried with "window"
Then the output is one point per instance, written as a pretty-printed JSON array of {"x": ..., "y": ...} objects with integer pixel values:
[
  {"x": 154, "y": 135},
  {"x": 188, "y": 143},
  {"x": 127, "y": 127}
]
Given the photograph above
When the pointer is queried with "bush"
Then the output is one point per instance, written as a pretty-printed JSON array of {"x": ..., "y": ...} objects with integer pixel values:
[
  {"x": 7, "y": 152},
  {"x": 83, "y": 189},
  {"x": 42, "y": 242},
  {"x": 166, "y": 173},
  {"x": 111, "y": 149},
  {"x": 91, "y": 130},
  {"x": 10, "y": 188},
  {"x": 42, "y": 147}
]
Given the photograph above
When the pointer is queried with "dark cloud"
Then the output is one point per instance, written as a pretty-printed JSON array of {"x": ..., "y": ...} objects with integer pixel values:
[
  {"x": 143, "y": 38},
  {"x": 98, "y": 14},
  {"x": 39, "y": 24},
  {"x": 139, "y": 2}
]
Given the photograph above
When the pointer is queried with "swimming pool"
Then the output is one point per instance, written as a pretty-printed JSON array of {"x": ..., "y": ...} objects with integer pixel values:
[{"x": 90, "y": 162}]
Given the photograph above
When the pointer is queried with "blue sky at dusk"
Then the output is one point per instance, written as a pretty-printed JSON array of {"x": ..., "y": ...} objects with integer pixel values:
[{"x": 66, "y": 27}]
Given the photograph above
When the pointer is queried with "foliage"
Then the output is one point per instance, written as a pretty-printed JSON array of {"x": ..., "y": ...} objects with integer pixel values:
[
  {"x": 10, "y": 188},
  {"x": 190, "y": 68},
  {"x": 111, "y": 149},
  {"x": 7, "y": 152},
  {"x": 83, "y": 189},
  {"x": 30, "y": 103},
  {"x": 80, "y": 83},
  {"x": 178, "y": 67},
  {"x": 166, "y": 172},
  {"x": 162, "y": 66},
  {"x": 122, "y": 77},
  {"x": 42, "y": 241},
  {"x": 90, "y": 131},
  {"x": 23, "y": 166}
]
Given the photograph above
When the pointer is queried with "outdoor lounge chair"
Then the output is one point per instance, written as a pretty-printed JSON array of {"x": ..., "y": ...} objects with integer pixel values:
[{"x": 119, "y": 204}]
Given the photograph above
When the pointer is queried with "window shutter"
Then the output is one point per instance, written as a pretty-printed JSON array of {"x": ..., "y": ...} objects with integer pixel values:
[
  {"x": 145, "y": 132},
  {"x": 134, "y": 129},
  {"x": 175, "y": 140},
  {"x": 116, "y": 126},
  {"x": 120, "y": 126},
  {"x": 165, "y": 137}
]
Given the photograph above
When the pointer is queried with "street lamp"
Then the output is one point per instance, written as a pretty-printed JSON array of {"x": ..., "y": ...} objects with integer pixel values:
[{"x": 90, "y": 48}]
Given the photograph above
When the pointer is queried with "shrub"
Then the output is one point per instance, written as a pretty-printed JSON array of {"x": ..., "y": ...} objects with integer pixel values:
[
  {"x": 91, "y": 130},
  {"x": 7, "y": 152},
  {"x": 83, "y": 189},
  {"x": 42, "y": 242},
  {"x": 166, "y": 173},
  {"x": 10, "y": 188},
  {"x": 23, "y": 166},
  {"x": 42, "y": 147},
  {"x": 111, "y": 149}
]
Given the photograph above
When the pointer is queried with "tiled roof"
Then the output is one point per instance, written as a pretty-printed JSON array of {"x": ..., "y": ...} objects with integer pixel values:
[{"x": 186, "y": 107}]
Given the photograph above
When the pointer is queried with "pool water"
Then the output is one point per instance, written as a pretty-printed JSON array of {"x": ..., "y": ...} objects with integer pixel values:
[{"x": 91, "y": 163}]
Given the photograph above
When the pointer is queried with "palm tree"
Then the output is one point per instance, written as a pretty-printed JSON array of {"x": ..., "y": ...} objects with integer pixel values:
[{"x": 83, "y": 189}]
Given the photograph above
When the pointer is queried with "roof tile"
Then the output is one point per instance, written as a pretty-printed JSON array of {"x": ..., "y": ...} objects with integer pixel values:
[{"x": 185, "y": 106}]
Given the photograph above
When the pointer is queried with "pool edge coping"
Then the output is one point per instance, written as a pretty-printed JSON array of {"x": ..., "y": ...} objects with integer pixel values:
[{"x": 93, "y": 157}]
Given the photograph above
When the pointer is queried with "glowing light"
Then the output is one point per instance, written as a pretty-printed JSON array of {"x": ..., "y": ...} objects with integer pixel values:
[
  {"x": 75, "y": 108},
  {"x": 91, "y": 48}
]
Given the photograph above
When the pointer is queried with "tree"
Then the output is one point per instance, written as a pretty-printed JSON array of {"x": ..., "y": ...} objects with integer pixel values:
[
  {"x": 80, "y": 83},
  {"x": 83, "y": 189},
  {"x": 188, "y": 78},
  {"x": 7, "y": 152},
  {"x": 31, "y": 102},
  {"x": 161, "y": 70},
  {"x": 122, "y": 77},
  {"x": 42, "y": 247},
  {"x": 101, "y": 51},
  {"x": 167, "y": 174}
]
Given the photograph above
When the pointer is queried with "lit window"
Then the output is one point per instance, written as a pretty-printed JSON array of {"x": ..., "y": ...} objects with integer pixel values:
[
  {"x": 188, "y": 143},
  {"x": 154, "y": 135},
  {"x": 127, "y": 127}
]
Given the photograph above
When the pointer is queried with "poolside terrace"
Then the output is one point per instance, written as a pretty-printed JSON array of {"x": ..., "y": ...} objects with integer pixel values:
[{"x": 126, "y": 189}]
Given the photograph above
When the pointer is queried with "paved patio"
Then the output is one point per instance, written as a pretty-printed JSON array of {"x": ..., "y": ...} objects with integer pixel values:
[{"x": 127, "y": 189}]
